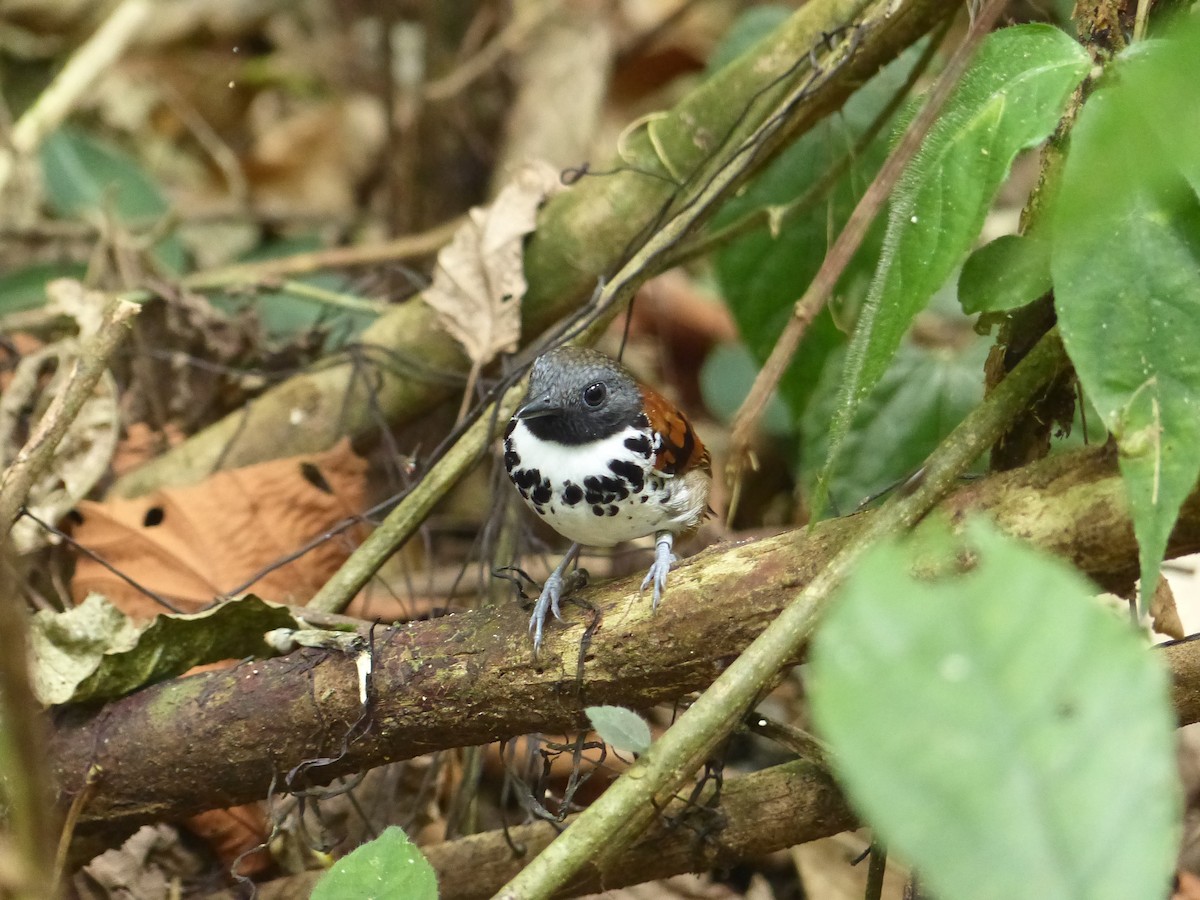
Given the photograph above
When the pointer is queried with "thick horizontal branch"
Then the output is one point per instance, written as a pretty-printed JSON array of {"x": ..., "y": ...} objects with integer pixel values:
[
  {"x": 471, "y": 678},
  {"x": 770, "y": 810}
]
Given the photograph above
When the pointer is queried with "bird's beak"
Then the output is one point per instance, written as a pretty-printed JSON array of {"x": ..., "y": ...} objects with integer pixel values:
[{"x": 537, "y": 409}]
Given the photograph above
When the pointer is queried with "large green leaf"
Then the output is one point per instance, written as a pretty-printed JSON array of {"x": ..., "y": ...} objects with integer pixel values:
[
  {"x": 1002, "y": 731},
  {"x": 1010, "y": 99},
  {"x": 1126, "y": 265},
  {"x": 920, "y": 399},
  {"x": 84, "y": 175},
  {"x": 765, "y": 272},
  {"x": 387, "y": 868}
]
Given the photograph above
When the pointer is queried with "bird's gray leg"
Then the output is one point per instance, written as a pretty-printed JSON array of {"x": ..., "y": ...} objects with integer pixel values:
[
  {"x": 550, "y": 598},
  {"x": 663, "y": 560}
]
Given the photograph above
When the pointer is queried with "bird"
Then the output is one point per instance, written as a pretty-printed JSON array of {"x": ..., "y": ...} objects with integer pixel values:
[{"x": 603, "y": 458}]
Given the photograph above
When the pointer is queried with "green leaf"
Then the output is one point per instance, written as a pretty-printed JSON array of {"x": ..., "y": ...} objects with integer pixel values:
[
  {"x": 621, "y": 728},
  {"x": 750, "y": 27},
  {"x": 1126, "y": 266},
  {"x": 725, "y": 380},
  {"x": 1000, "y": 729},
  {"x": 763, "y": 274},
  {"x": 302, "y": 304},
  {"x": 1010, "y": 99},
  {"x": 1007, "y": 273},
  {"x": 25, "y": 288},
  {"x": 387, "y": 868},
  {"x": 94, "y": 652},
  {"x": 84, "y": 175},
  {"x": 923, "y": 395}
]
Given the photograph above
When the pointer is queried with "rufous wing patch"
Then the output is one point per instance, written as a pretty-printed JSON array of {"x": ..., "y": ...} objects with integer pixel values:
[{"x": 680, "y": 449}]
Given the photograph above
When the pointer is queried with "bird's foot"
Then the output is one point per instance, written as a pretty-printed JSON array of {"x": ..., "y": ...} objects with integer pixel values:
[
  {"x": 558, "y": 587},
  {"x": 663, "y": 560}
]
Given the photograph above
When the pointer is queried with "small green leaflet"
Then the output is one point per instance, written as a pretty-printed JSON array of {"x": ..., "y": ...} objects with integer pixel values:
[
  {"x": 1007, "y": 273},
  {"x": 621, "y": 728},
  {"x": 387, "y": 868}
]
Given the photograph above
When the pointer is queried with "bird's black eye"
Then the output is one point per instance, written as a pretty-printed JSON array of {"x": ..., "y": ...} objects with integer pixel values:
[{"x": 594, "y": 394}]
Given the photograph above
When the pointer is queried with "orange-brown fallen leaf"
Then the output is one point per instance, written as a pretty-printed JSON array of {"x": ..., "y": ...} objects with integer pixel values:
[
  {"x": 1189, "y": 886},
  {"x": 194, "y": 544},
  {"x": 232, "y": 832},
  {"x": 141, "y": 444}
]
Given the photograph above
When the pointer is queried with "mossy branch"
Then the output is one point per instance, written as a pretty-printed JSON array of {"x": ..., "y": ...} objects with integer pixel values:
[{"x": 471, "y": 678}]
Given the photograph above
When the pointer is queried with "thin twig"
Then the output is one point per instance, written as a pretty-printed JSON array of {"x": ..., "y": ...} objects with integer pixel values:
[
  {"x": 628, "y": 805},
  {"x": 402, "y": 522},
  {"x": 27, "y": 790},
  {"x": 876, "y": 869},
  {"x": 775, "y": 217},
  {"x": 844, "y": 248},
  {"x": 510, "y": 37},
  {"x": 404, "y": 247},
  {"x": 36, "y": 456},
  {"x": 80, "y": 800}
]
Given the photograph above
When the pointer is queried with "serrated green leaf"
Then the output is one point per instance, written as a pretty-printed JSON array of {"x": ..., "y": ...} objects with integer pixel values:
[
  {"x": 84, "y": 175},
  {"x": 923, "y": 395},
  {"x": 1126, "y": 266},
  {"x": 1007, "y": 273},
  {"x": 620, "y": 728},
  {"x": 94, "y": 652},
  {"x": 1000, "y": 729},
  {"x": 387, "y": 868},
  {"x": 1010, "y": 99}
]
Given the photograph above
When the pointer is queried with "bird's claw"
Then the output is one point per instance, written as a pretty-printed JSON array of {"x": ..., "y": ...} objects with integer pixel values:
[
  {"x": 549, "y": 601},
  {"x": 657, "y": 576},
  {"x": 557, "y": 588}
]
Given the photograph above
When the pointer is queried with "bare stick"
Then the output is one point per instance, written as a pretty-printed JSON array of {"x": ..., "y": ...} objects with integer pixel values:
[
  {"x": 402, "y": 522},
  {"x": 404, "y": 247},
  {"x": 35, "y": 457}
]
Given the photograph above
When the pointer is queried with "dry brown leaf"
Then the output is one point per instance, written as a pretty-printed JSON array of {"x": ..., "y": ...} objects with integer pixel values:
[
  {"x": 196, "y": 543},
  {"x": 82, "y": 456},
  {"x": 1164, "y": 614},
  {"x": 142, "y": 443},
  {"x": 233, "y": 834},
  {"x": 146, "y": 865},
  {"x": 479, "y": 279},
  {"x": 312, "y": 161},
  {"x": 1189, "y": 887}
]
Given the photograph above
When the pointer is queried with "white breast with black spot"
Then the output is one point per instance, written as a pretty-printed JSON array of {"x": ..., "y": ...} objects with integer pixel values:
[{"x": 599, "y": 493}]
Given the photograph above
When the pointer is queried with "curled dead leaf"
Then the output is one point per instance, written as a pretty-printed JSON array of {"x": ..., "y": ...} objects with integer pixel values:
[
  {"x": 480, "y": 277},
  {"x": 83, "y": 455}
]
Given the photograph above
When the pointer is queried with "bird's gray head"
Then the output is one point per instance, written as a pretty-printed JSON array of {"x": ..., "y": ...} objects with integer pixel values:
[{"x": 577, "y": 396}]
